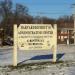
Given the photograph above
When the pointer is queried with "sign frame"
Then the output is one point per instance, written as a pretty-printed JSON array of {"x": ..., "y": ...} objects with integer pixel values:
[{"x": 15, "y": 46}]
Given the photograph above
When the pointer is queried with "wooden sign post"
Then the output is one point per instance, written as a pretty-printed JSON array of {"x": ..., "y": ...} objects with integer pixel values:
[
  {"x": 55, "y": 44},
  {"x": 15, "y": 46}
]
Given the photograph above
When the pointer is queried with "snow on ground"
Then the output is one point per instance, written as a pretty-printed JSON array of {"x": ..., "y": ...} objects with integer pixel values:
[{"x": 65, "y": 53}]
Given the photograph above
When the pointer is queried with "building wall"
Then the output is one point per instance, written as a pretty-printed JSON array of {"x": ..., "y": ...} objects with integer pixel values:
[{"x": 65, "y": 36}]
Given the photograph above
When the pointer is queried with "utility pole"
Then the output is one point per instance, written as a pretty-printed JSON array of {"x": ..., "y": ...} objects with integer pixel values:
[{"x": 73, "y": 6}]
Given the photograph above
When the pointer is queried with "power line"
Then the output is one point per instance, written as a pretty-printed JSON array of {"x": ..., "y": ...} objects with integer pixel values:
[
  {"x": 49, "y": 12},
  {"x": 54, "y": 10},
  {"x": 49, "y": 3}
]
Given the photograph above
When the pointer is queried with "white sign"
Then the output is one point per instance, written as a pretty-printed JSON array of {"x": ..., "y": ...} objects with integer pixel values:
[{"x": 35, "y": 37}]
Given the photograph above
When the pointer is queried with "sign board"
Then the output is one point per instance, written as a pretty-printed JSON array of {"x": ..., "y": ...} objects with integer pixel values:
[{"x": 35, "y": 37}]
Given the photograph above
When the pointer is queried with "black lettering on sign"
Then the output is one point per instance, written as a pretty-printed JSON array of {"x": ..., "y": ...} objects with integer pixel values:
[{"x": 22, "y": 45}]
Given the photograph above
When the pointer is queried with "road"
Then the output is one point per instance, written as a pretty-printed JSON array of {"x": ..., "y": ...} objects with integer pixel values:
[{"x": 64, "y": 53}]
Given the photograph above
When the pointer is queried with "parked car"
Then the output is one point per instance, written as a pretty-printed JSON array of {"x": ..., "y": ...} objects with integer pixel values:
[{"x": 7, "y": 42}]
